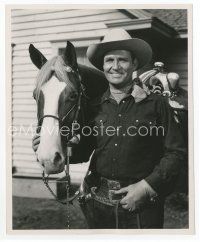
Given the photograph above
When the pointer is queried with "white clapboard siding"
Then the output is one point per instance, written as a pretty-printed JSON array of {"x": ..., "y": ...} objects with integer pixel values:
[
  {"x": 69, "y": 21},
  {"x": 25, "y": 74},
  {"x": 23, "y": 114},
  {"x": 28, "y": 67},
  {"x": 24, "y": 157},
  {"x": 62, "y": 36},
  {"x": 25, "y": 59},
  {"x": 22, "y": 95},
  {"x": 26, "y": 108},
  {"x": 58, "y": 29},
  {"x": 24, "y": 137},
  {"x": 22, "y": 82},
  {"x": 23, "y": 131},
  {"x": 46, "y": 51},
  {"x": 17, "y": 142},
  {"x": 24, "y": 150},
  {"x": 60, "y": 15},
  {"x": 40, "y": 45},
  {"x": 23, "y": 101},
  {"x": 25, "y": 88},
  {"x": 24, "y": 121},
  {"x": 24, "y": 12}
]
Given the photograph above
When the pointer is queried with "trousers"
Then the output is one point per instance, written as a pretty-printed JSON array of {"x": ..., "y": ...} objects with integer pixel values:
[{"x": 102, "y": 215}]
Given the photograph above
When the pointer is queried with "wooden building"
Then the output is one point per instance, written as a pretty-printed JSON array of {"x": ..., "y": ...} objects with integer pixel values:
[{"x": 48, "y": 30}]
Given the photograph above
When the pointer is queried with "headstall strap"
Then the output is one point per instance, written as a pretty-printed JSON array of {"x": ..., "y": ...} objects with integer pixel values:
[{"x": 68, "y": 200}]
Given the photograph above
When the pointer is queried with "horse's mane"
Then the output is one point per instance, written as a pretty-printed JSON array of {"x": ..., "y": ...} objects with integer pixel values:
[{"x": 55, "y": 66}]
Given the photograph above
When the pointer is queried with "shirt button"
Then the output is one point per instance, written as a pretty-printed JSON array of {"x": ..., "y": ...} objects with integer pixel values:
[
  {"x": 150, "y": 122},
  {"x": 123, "y": 101},
  {"x": 119, "y": 115},
  {"x": 136, "y": 120},
  {"x": 115, "y": 144}
]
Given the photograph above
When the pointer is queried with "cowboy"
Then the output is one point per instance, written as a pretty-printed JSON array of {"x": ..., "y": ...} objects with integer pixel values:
[{"x": 138, "y": 148}]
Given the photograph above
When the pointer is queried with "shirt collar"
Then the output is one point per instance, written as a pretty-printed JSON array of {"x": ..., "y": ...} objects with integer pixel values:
[
  {"x": 106, "y": 96},
  {"x": 138, "y": 93}
]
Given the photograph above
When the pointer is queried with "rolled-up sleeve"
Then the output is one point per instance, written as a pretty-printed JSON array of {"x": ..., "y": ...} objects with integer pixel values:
[{"x": 166, "y": 172}]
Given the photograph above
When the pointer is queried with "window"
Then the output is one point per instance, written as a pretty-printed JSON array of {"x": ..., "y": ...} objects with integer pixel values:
[
  {"x": 81, "y": 49},
  {"x": 80, "y": 54}
]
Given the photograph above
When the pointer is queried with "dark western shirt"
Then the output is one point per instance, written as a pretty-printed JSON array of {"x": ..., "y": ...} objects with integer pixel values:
[{"x": 134, "y": 140}]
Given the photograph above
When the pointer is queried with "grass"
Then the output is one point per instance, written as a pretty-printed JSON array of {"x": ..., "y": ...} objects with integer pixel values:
[{"x": 34, "y": 213}]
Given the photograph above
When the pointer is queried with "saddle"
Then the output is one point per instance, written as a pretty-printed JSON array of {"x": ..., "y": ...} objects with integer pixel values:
[{"x": 166, "y": 84}]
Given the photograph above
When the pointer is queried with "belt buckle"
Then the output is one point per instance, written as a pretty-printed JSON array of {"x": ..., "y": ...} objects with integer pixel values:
[
  {"x": 113, "y": 198},
  {"x": 112, "y": 187}
]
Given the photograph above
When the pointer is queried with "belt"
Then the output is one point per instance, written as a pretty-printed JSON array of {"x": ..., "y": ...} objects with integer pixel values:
[{"x": 105, "y": 192}]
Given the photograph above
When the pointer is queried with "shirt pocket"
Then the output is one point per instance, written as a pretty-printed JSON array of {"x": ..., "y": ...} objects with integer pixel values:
[
  {"x": 146, "y": 127},
  {"x": 150, "y": 122}
]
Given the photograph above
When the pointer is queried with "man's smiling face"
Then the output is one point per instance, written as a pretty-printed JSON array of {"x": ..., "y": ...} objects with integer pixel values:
[{"x": 118, "y": 67}]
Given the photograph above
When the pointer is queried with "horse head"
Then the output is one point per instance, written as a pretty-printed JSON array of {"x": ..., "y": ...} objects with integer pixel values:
[{"x": 58, "y": 97}]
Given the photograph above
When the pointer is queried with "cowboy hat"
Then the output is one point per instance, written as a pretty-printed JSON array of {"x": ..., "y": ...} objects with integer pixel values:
[{"x": 119, "y": 39}]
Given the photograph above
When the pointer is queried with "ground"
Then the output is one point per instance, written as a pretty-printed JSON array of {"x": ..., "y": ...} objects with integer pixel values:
[{"x": 34, "y": 213}]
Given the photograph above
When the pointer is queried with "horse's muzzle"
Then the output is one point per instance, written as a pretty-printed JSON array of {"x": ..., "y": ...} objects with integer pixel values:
[
  {"x": 53, "y": 164},
  {"x": 51, "y": 168}
]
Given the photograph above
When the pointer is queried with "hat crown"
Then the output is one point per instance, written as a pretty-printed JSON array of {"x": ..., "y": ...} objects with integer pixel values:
[
  {"x": 119, "y": 39},
  {"x": 116, "y": 35}
]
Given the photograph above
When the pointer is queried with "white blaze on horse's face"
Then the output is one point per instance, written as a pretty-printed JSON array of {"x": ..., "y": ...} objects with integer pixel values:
[{"x": 49, "y": 152}]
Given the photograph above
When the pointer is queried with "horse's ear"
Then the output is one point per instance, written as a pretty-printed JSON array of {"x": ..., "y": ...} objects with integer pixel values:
[
  {"x": 37, "y": 57},
  {"x": 69, "y": 56}
]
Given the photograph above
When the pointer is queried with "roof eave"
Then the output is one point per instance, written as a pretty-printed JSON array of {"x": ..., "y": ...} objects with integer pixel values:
[
  {"x": 146, "y": 23},
  {"x": 132, "y": 24}
]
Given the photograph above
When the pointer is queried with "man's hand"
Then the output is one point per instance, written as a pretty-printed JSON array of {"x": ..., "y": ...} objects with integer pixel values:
[
  {"x": 35, "y": 142},
  {"x": 136, "y": 195}
]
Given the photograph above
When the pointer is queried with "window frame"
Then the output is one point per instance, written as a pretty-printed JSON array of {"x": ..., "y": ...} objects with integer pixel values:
[{"x": 78, "y": 44}]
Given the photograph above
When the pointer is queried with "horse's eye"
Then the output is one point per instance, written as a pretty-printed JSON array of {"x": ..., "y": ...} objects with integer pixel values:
[{"x": 73, "y": 96}]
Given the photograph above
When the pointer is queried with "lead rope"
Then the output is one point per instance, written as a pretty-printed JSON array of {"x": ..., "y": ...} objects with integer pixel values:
[
  {"x": 67, "y": 207},
  {"x": 69, "y": 154},
  {"x": 138, "y": 220},
  {"x": 117, "y": 215}
]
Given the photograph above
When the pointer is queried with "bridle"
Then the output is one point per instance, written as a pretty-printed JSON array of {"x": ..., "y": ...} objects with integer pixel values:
[{"x": 45, "y": 179}]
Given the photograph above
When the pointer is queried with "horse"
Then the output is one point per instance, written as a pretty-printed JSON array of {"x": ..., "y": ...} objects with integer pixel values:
[
  {"x": 166, "y": 84},
  {"x": 62, "y": 90}
]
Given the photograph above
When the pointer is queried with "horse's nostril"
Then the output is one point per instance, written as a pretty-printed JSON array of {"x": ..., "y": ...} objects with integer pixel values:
[{"x": 57, "y": 157}]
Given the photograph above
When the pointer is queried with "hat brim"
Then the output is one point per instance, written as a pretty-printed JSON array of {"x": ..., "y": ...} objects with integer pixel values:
[{"x": 140, "y": 49}]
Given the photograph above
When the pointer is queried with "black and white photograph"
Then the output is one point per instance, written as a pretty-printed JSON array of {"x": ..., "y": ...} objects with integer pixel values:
[{"x": 99, "y": 111}]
